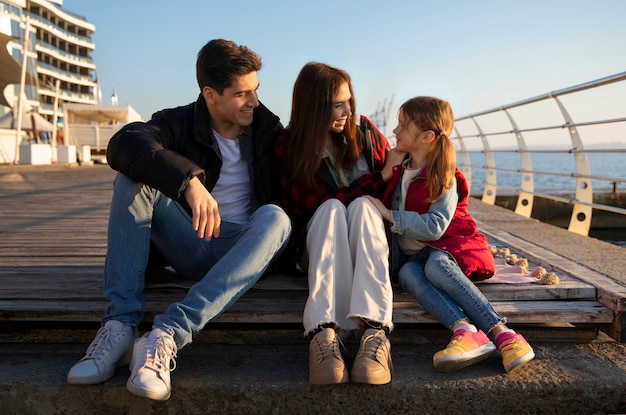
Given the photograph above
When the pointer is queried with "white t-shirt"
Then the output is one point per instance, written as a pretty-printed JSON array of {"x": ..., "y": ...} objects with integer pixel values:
[
  {"x": 232, "y": 190},
  {"x": 408, "y": 245}
]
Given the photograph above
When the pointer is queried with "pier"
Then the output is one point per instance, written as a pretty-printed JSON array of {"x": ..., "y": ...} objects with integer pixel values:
[{"x": 253, "y": 358}]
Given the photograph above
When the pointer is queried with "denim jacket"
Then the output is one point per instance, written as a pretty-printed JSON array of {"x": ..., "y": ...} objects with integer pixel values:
[{"x": 445, "y": 225}]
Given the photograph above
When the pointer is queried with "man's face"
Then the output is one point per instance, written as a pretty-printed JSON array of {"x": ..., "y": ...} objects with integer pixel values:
[{"x": 233, "y": 109}]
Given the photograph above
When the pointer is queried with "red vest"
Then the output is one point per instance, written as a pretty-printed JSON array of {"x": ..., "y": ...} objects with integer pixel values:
[{"x": 461, "y": 239}]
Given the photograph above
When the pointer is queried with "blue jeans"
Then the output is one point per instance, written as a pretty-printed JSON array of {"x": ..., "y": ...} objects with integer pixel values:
[
  {"x": 225, "y": 267},
  {"x": 436, "y": 281}
]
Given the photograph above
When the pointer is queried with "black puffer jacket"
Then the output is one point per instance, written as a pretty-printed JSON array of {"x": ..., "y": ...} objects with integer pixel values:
[{"x": 178, "y": 144}]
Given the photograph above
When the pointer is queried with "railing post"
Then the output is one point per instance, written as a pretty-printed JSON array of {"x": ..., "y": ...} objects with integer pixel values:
[
  {"x": 525, "y": 198},
  {"x": 580, "y": 221},
  {"x": 466, "y": 168},
  {"x": 489, "y": 194}
]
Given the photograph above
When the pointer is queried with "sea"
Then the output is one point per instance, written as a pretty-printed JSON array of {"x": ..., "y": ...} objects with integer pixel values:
[{"x": 605, "y": 165}]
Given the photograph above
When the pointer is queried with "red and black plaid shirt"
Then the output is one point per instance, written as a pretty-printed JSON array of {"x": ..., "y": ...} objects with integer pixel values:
[{"x": 300, "y": 203}]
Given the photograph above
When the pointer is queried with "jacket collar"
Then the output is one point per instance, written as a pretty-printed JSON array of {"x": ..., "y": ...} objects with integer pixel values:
[
  {"x": 202, "y": 123},
  {"x": 263, "y": 120}
]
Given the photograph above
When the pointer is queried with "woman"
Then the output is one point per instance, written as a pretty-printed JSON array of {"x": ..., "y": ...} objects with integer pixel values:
[{"x": 326, "y": 163}]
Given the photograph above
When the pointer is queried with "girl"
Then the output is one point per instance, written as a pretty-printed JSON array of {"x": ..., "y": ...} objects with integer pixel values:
[
  {"x": 437, "y": 250},
  {"x": 327, "y": 161}
]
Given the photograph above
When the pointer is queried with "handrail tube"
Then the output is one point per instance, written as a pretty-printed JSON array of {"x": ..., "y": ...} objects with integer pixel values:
[
  {"x": 555, "y": 150},
  {"x": 576, "y": 88},
  {"x": 567, "y": 200},
  {"x": 599, "y": 206},
  {"x": 551, "y": 173},
  {"x": 580, "y": 220},
  {"x": 552, "y": 127}
]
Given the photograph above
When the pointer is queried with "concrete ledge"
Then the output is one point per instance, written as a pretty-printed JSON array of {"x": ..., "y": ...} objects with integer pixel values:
[{"x": 565, "y": 378}]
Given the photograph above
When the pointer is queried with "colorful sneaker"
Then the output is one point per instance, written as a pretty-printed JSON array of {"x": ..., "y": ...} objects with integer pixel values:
[
  {"x": 152, "y": 362},
  {"x": 372, "y": 364},
  {"x": 326, "y": 366},
  {"x": 465, "y": 348},
  {"x": 514, "y": 349},
  {"x": 110, "y": 349}
]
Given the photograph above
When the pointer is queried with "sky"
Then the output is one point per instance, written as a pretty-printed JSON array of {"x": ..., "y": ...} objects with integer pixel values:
[{"x": 477, "y": 54}]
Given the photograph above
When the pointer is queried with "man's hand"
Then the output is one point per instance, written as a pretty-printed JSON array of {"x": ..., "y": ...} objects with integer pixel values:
[{"x": 205, "y": 214}]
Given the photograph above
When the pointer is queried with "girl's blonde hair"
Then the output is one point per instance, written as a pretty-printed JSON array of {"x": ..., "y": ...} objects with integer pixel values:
[{"x": 434, "y": 114}]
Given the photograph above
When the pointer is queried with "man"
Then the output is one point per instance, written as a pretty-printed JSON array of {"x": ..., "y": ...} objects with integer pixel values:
[{"x": 196, "y": 183}]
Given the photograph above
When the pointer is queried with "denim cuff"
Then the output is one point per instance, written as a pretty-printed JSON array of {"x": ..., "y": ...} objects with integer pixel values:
[{"x": 396, "y": 222}]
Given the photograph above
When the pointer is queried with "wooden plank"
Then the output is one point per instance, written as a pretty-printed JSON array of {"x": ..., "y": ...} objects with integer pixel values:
[
  {"x": 64, "y": 281},
  {"x": 287, "y": 310},
  {"x": 51, "y": 261}
]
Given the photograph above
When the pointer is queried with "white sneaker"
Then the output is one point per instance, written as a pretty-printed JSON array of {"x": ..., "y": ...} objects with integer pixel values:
[
  {"x": 151, "y": 364},
  {"x": 111, "y": 349}
]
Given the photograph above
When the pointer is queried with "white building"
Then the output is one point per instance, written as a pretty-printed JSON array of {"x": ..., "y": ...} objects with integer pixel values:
[
  {"x": 60, "y": 75},
  {"x": 59, "y": 48}
]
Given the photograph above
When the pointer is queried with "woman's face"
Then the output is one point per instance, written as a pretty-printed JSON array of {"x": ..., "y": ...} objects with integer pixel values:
[{"x": 341, "y": 108}]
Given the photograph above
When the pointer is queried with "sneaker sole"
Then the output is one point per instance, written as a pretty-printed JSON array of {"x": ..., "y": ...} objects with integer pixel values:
[
  {"x": 94, "y": 380},
  {"x": 135, "y": 390},
  {"x": 452, "y": 363},
  {"x": 371, "y": 380},
  {"x": 329, "y": 380},
  {"x": 520, "y": 361}
]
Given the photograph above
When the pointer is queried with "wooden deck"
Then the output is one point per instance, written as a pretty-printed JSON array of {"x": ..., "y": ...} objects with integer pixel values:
[{"x": 53, "y": 240}]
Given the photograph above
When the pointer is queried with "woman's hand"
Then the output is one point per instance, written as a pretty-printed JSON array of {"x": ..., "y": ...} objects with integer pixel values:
[{"x": 394, "y": 158}]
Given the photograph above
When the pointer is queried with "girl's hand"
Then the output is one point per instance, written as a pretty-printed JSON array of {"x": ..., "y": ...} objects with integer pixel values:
[
  {"x": 386, "y": 213},
  {"x": 394, "y": 158}
]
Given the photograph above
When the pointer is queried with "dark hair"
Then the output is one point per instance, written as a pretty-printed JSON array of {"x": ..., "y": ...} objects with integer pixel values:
[
  {"x": 312, "y": 105},
  {"x": 221, "y": 61}
]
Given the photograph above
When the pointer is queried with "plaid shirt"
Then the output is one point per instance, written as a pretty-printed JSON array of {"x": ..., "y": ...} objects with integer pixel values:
[{"x": 301, "y": 203}]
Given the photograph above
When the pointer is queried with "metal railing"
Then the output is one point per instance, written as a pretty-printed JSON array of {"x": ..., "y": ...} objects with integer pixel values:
[{"x": 496, "y": 141}]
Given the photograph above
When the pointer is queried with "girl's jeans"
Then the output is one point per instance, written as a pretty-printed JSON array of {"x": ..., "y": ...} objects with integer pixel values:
[
  {"x": 348, "y": 268},
  {"x": 225, "y": 267},
  {"x": 439, "y": 285}
]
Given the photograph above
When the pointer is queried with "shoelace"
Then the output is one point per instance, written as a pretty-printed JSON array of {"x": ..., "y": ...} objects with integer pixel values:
[
  {"x": 156, "y": 353},
  {"x": 373, "y": 346},
  {"x": 105, "y": 340},
  {"x": 329, "y": 348}
]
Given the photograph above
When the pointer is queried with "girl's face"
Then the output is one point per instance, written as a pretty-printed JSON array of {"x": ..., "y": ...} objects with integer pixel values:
[
  {"x": 408, "y": 135},
  {"x": 341, "y": 108}
]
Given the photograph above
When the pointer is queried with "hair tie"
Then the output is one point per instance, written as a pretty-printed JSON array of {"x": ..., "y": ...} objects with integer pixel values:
[{"x": 442, "y": 134}]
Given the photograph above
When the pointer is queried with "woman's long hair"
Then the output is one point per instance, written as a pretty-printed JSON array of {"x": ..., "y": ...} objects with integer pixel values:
[
  {"x": 309, "y": 127},
  {"x": 429, "y": 113}
]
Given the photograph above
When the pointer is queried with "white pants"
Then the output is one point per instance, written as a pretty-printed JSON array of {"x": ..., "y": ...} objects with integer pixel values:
[{"x": 348, "y": 267}]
